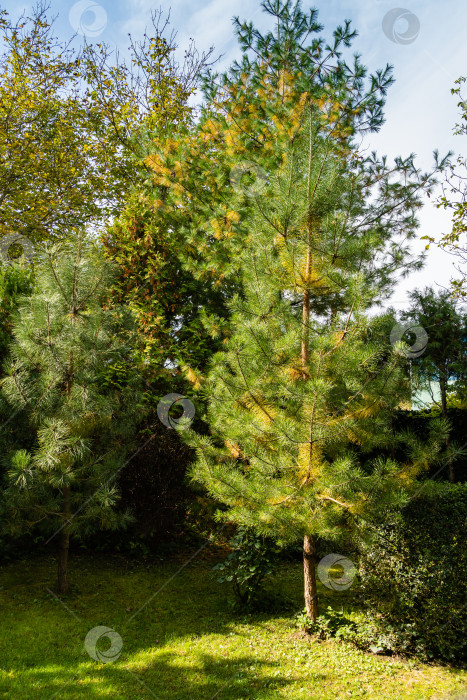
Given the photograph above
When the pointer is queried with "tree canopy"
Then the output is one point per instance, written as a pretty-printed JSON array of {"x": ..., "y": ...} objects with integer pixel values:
[{"x": 72, "y": 123}]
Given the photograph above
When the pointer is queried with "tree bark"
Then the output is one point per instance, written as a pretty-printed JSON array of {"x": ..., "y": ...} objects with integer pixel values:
[
  {"x": 309, "y": 571},
  {"x": 309, "y": 547},
  {"x": 64, "y": 544}
]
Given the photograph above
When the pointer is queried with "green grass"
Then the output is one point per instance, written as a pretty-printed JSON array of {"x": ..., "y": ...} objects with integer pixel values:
[{"x": 184, "y": 644}]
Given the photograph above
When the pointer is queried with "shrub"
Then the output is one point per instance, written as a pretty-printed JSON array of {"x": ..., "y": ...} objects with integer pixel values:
[
  {"x": 363, "y": 631},
  {"x": 252, "y": 558},
  {"x": 328, "y": 624}
]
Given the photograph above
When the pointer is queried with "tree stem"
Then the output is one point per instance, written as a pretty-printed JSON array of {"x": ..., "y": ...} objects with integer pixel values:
[{"x": 309, "y": 570}]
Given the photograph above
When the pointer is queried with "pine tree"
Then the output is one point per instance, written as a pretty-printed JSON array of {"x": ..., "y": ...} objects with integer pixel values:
[
  {"x": 305, "y": 385},
  {"x": 59, "y": 373},
  {"x": 181, "y": 238}
]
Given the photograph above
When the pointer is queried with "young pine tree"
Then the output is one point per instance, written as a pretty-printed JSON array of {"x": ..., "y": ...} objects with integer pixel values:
[
  {"x": 306, "y": 385},
  {"x": 59, "y": 374}
]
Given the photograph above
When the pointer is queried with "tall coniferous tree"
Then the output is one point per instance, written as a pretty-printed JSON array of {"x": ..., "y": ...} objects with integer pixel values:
[
  {"x": 301, "y": 381},
  {"x": 59, "y": 374}
]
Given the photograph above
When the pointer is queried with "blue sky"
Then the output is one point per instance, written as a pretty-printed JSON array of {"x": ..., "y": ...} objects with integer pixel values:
[{"x": 426, "y": 45}]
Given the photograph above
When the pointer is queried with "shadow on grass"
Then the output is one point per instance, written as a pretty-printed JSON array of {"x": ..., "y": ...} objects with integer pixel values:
[
  {"x": 171, "y": 649},
  {"x": 166, "y": 677},
  {"x": 173, "y": 626}
]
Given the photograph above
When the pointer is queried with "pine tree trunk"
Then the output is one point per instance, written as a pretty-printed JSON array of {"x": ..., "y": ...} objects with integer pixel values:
[
  {"x": 309, "y": 547},
  {"x": 309, "y": 571},
  {"x": 64, "y": 544}
]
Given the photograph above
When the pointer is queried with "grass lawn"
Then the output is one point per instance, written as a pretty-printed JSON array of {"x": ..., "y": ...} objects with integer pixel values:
[{"x": 184, "y": 644}]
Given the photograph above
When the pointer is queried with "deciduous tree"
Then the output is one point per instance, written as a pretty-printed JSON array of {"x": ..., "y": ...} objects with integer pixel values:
[{"x": 72, "y": 123}]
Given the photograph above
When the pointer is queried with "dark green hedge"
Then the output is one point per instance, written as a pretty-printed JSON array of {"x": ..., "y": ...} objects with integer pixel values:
[{"x": 414, "y": 574}]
